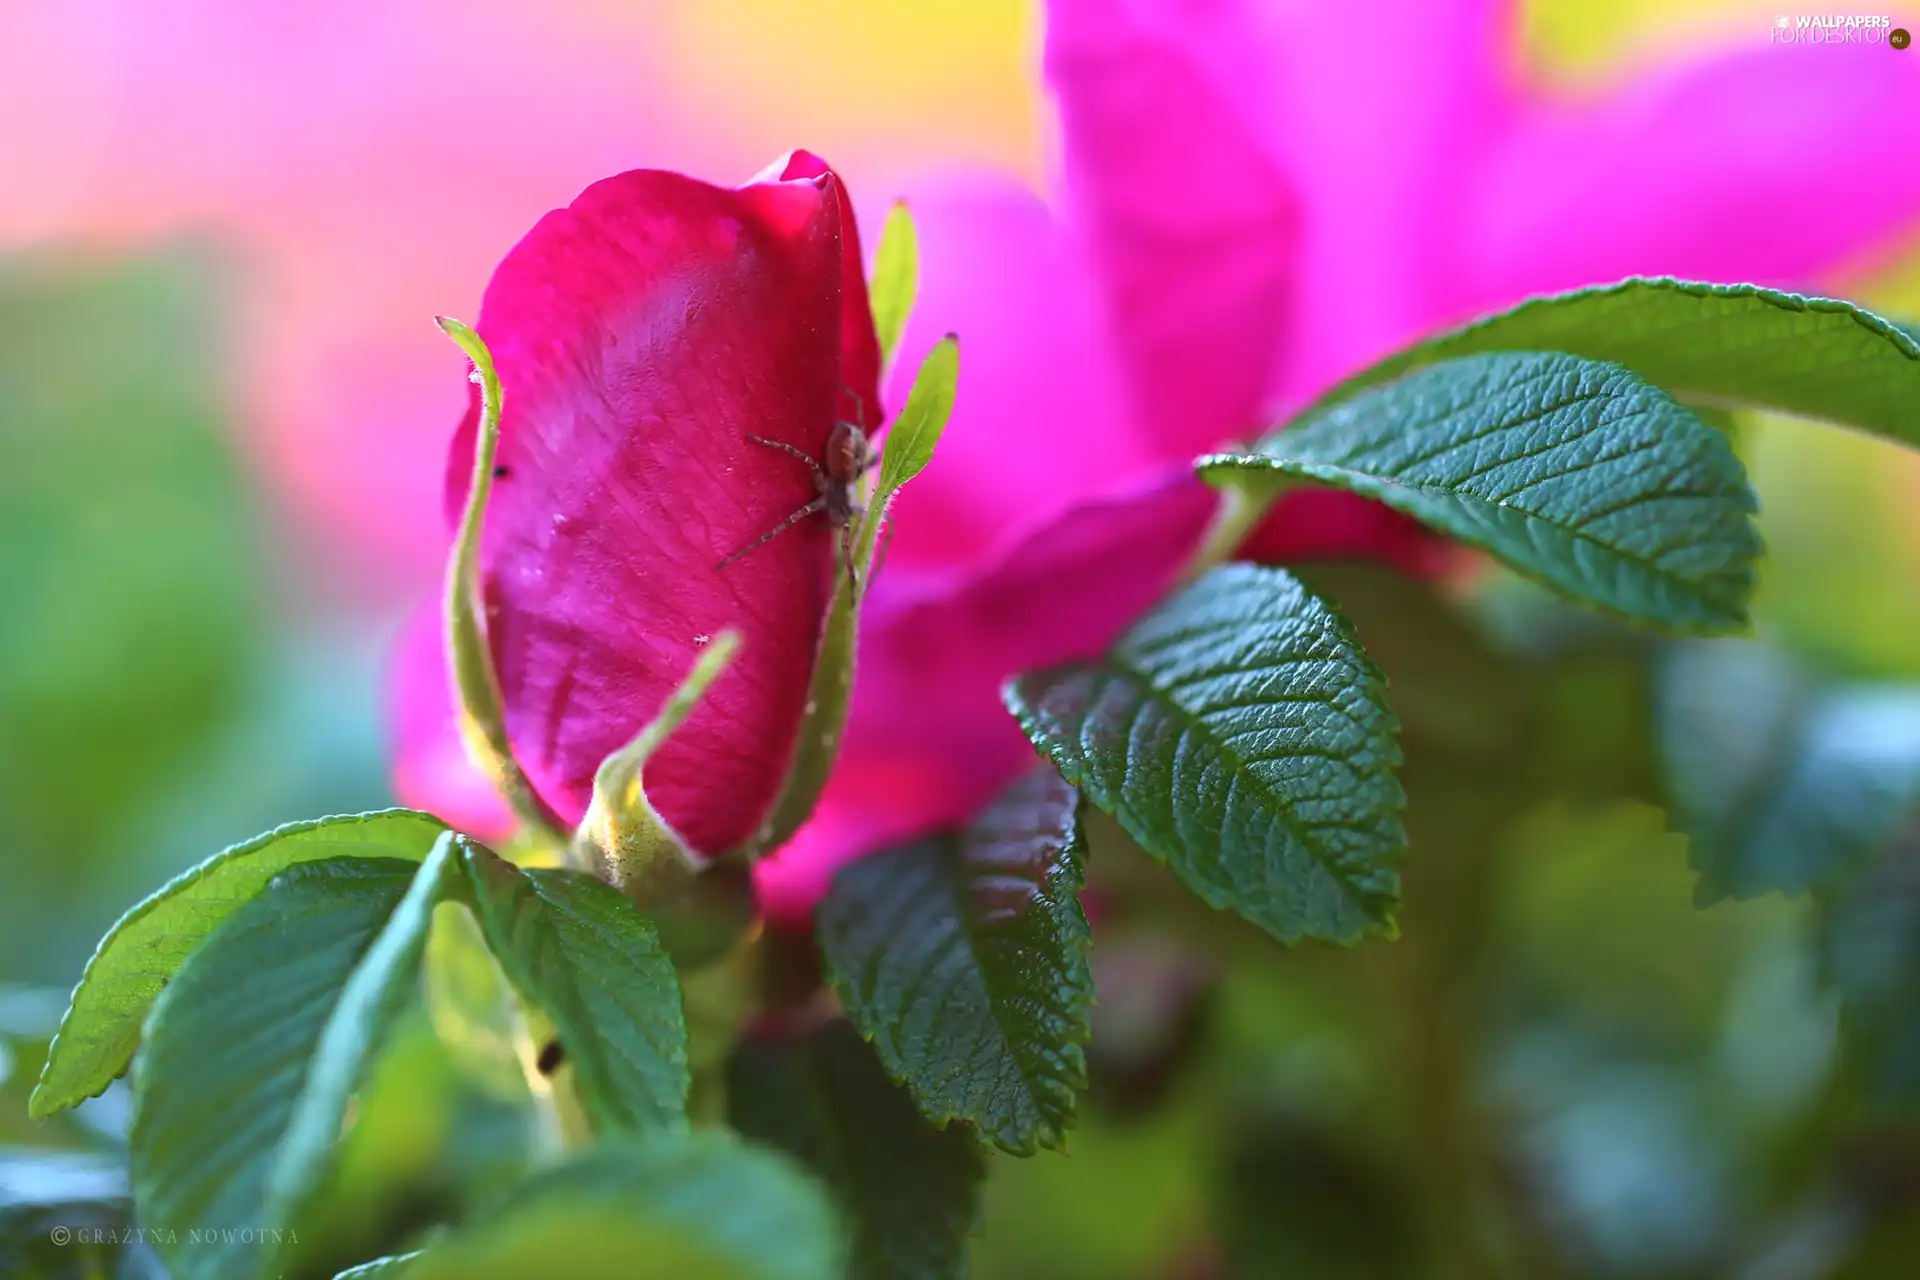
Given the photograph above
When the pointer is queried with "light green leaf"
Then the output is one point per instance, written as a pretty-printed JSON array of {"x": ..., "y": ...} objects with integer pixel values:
[
  {"x": 964, "y": 959},
  {"x": 481, "y": 711},
  {"x": 896, "y": 280},
  {"x": 1735, "y": 346},
  {"x": 1781, "y": 783},
  {"x": 141, "y": 952},
  {"x": 1240, "y": 735},
  {"x": 1574, "y": 472},
  {"x": 909, "y": 1192},
  {"x": 380, "y": 988},
  {"x": 909, "y": 445},
  {"x": 695, "y": 1206},
  {"x": 254, "y": 1049},
  {"x": 584, "y": 956},
  {"x": 915, "y": 433}
]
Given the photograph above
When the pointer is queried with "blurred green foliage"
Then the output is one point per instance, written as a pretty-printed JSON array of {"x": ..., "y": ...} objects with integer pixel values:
[
  {"x": 154, "y": 702},
  {"x": 127, "y": 570},
  {"x": 1562, "y": 1068}
]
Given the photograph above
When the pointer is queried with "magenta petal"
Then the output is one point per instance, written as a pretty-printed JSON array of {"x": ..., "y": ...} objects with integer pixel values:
[
  {"x": 1326, "y": 524},
  {"x": 928, "y": 741},
  {"x": 1379, "y": 110},
  {"x": 859, "y": 344},
  {"x": 1771, "y": 166},
  {"x": 1039, "y": 418},
  {"x": 641, "y": 334},
  {"x": 431, "y": 770},
  {"x": 1187, "y": 207}
]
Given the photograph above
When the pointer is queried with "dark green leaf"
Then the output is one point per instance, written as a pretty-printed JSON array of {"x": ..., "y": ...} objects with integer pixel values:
[
  {"x": 141, "y": 952},
  {"x": 1736, "y": 346},
  {"x": 1575, "y": 472},
  {"x": 255, "y": 1049},
  {"x": 964, "y": 959},
  {"x": 1782, "y": 784},
  {"x": 583, "y": 954},
  {"x": 695, "y": 1206},
  {"x": 1241, "y": 736},
  {"x": 908, "y": 1191}
]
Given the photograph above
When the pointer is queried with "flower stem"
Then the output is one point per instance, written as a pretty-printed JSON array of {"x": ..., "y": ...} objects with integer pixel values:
[{"x": 1236, "y": 515}]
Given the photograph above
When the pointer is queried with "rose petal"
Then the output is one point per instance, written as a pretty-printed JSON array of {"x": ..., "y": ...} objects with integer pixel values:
[
  {"x": 1189, "y": 213},
  {"x": 1378, "y": 110},
  {"x": 928, "y": 741},
  {"x": 641, "y": 334},
  {"x": 859, "y": 344},
  {"x": 1773, "y": 165},
  {"x": 1325, "y": 524},
  {"x": 1039, "y": 418}
]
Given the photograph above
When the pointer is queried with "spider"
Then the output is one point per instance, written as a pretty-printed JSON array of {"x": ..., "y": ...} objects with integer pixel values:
[{"x": 849, "y": 456}]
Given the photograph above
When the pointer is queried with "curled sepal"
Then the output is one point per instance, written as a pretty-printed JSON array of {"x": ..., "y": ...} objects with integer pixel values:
[
  {"x": 478, "y": 704},
  {"x": 910, "y": 443},
  {"x": 623, "y": 838}
]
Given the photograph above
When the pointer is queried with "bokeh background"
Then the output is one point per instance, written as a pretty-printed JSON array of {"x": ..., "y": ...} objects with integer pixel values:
[{"x": 224, "y": 230}]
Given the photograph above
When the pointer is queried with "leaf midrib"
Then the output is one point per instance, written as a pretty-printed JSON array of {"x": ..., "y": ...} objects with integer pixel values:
[
  {"x": 1321, "y": 470},
  {"x": 1281, "y": 806},
  {"x": 956, "y": 877}
]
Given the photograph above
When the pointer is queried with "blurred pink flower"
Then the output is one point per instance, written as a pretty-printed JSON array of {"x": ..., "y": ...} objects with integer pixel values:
[
  {"x": 1260, "y": 198},
  {"x": 641, "y": 334}
]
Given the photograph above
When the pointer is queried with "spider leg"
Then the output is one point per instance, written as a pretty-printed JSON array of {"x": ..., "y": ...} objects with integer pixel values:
[
  {"x": 812, "y": 508},
  {"x": 859, "y": 406},
  {"x": 784, "y": 447}
]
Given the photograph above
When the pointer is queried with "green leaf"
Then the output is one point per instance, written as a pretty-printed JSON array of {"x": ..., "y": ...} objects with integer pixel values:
[
  {"x": 380, "y": 988},
  {"x": 914, "y": 434},
  {"x": 1782, "y": 784},
  {"x": 481, "y": 709},
  {"x": 896, "y": 280},
  {"x": 582, "y": 953},
  {"x": 909, "y": 445},
  {"x": 964, "y": 959},
  {"x": 1574, "y": 472},
  {"x": 695, "y": 1206},
  {"x": 908, "y": 1191},
  {"x": 1734, "y": 346},
  {"x": 141, "y": 952},
  {"x": 255, "y": 1049},
  {"x": 1240, "y": 735}
]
